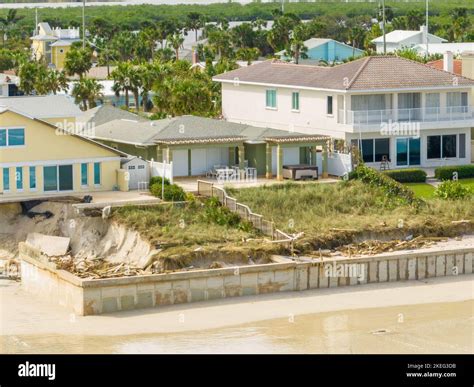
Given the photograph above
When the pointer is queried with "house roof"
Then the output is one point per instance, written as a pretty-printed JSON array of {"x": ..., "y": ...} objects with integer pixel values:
[
  {"x": 316, "y": 42},
  {"x": 63, "y": 42},
  {"x": 191, "y": 130},
  {"x": 4, "y": 109},
  {"x": 44, "y": 106},
  {"x": 107, "y": 113},
  {"x": 439, "y": 64},
  {"x": 368, "y": 73},
  {"x": 398, "y": 36}
]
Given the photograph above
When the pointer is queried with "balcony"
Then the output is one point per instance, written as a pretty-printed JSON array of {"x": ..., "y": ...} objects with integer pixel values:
[{"x": 363, "y": 118}]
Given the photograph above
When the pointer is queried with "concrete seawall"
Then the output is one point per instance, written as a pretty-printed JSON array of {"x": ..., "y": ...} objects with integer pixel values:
[{"x": 89, "y": 297}]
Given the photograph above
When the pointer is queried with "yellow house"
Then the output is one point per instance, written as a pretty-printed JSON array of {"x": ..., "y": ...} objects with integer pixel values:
[
  {"x": 38, "y": 160},
  {"x": 52, "y": 44}
]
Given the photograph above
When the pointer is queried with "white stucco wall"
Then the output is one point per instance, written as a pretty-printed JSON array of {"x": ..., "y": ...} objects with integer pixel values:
[{"x": 246, "y": 104}]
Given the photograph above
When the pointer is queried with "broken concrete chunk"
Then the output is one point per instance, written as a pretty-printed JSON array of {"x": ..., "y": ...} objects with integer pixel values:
[{"x": 51, "y": 246}]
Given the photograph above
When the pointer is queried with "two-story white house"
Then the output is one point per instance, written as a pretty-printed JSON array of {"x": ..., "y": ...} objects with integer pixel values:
[{"x": 391, "y": 107}]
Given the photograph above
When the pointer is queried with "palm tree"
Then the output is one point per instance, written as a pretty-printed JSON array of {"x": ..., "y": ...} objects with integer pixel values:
[
  {"x": 248, "y": 54},
  {"x": 194, "y": 22},
  {"x": 9, "y": 22},
  {"x": 56, "y": 81},
  {"x": 27, "y": 73},
  {"x": 78, "y": 61},
  {"x": 121, "y": 77},
  {"x": 87, "y": 92},
  {"x": 175, "y": 41}
]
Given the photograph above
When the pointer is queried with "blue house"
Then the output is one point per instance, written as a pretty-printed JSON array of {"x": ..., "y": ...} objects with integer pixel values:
[{"x": 328, "y": 50}]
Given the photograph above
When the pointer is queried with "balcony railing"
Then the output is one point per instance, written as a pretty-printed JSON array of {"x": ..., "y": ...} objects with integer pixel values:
[{"x": 376, "y": 117}]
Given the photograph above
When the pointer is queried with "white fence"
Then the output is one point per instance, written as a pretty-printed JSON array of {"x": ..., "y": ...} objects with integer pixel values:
[
  {"x": 163, "y": 169},
  {"x": 339, "y": 164}
]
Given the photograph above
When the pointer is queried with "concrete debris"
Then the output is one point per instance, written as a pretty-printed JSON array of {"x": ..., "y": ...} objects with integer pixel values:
[
  {"x": 106, "y": 212},
  {"x": 52, "y": 246}
]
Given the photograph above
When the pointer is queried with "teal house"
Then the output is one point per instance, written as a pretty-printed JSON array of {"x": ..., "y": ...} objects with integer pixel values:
[{"x": 327, "y": 50}]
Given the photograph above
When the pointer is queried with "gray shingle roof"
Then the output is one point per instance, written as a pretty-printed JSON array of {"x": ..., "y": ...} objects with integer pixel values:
[
  {"x": 369, "y": 73},
  {"x": 189, "y": 130},
  {"x": 45, "y": 106},
  {"x": 107, "y": 113}
]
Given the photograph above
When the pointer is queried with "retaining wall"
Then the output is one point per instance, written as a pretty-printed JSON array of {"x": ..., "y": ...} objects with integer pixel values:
[{"x": 89, "y": 297}]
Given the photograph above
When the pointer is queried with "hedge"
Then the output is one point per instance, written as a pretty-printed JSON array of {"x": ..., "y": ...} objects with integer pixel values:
[
  {"x": 172, "y": 192},
  {"x": 157, "y": 180},
  {"x": 412, "y": 175},
  {"x": 446, "y": 173}
]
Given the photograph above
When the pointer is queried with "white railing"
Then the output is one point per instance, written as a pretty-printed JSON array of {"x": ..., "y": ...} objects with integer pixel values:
[{"x": 376, "y": 117}]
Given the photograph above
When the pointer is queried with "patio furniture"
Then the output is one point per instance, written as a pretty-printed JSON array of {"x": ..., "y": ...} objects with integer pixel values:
[
  {"x": 251, "y": 173},
  {"x": 225, "y": 174}
]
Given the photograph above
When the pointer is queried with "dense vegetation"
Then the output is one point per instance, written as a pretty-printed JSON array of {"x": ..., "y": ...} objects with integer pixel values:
[{"x": 144, "y": 43}]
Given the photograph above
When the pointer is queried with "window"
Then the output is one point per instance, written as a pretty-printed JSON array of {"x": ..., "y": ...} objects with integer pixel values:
[
  {"x": 373, "y": 150},
  {"x": 19, "y": 178},
  {"x": 449, "y": 146},
  {"x": 32, "y": 178},
  {"x": 6, "y": 179},
  {"x": 432, "y": 101},
  {"x": 408, "y": 151},
  {"x": 84, "y": 178},
  {"x": 382, "y": 148},
  {"x": 462, "y": 146},
  {"x": 329, "y": 105},
  {"x": 433, "y": 147},
  {"x": 442, "y": 146},
  {"x": 131, "y": 167},
  {"x": 12, "y": 137},
  {"x": 271, "y": 99},
  {"x": 295, "y": 101},
  {"x": 456, "y": 98},
  {"x": 368, "y": 102},
  {"x": 97, "y": 173},
  {"x": 3, "y": 137},
  {"x": 141, "y": 167},
  {"x": 50, "y": 178}
]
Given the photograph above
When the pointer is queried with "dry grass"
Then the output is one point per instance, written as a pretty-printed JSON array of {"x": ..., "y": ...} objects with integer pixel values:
[{"x": 345, "y": 209}]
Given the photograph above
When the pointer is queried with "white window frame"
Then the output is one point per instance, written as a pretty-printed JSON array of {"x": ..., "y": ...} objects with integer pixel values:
[{"x": 7, "y": 128}]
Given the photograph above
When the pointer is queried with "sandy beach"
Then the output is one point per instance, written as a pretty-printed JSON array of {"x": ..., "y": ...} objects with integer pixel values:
[{"x": 22, "y": 314}]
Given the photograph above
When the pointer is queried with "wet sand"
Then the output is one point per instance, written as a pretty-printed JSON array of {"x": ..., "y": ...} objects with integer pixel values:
[
  {"x": 23, "y": 314},
  {"x": 426, "y": 328}
]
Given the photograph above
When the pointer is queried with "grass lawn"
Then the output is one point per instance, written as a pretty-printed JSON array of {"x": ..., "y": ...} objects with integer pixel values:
[
  {"x": 426, "y": 191},
  {"x": 328, "y": 211},
  {"x": 422, "y": 190}
]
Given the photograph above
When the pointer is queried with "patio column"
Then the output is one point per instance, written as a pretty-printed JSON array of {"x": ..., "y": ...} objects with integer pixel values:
[
  {"x": 279, "y": 162},
  {"x": 241, "y": 151},
  {"x": 232, "y": 155},
  {"x": 269, "y": 173},
  {"x": 167, "y": 155},
  {"x": 325, "y": 159},
  {"x": 314, "y": 160}
]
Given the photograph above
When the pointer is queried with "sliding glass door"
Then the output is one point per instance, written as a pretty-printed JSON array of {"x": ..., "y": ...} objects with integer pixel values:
[
  {"x": 408, "y": 151},
  {"x": 58, "y": 178}
]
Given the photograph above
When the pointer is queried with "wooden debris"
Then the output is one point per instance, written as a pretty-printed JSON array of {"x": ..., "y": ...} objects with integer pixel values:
[{"x": 373, "y": 247}]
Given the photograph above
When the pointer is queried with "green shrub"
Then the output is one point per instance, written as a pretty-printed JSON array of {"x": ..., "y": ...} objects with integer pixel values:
[
  {"x": 412, "y": 175},
  {"x": 215, "y": 213},
  {"x": 392, "y": 188},
  {"x": 452, "y": 190},
  {"x": 172, "y": 192},
  {"x": 446, "y": 173},
  {"x": 157, "y": 180}
]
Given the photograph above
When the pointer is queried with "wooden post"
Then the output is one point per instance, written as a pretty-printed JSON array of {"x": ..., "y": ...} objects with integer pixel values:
[
  {"x": 279, "y": 162},
  {"x": 269, "y": 173},
  {"x": 241, "y": 151},
  {"x": 325, "y": 159}
]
